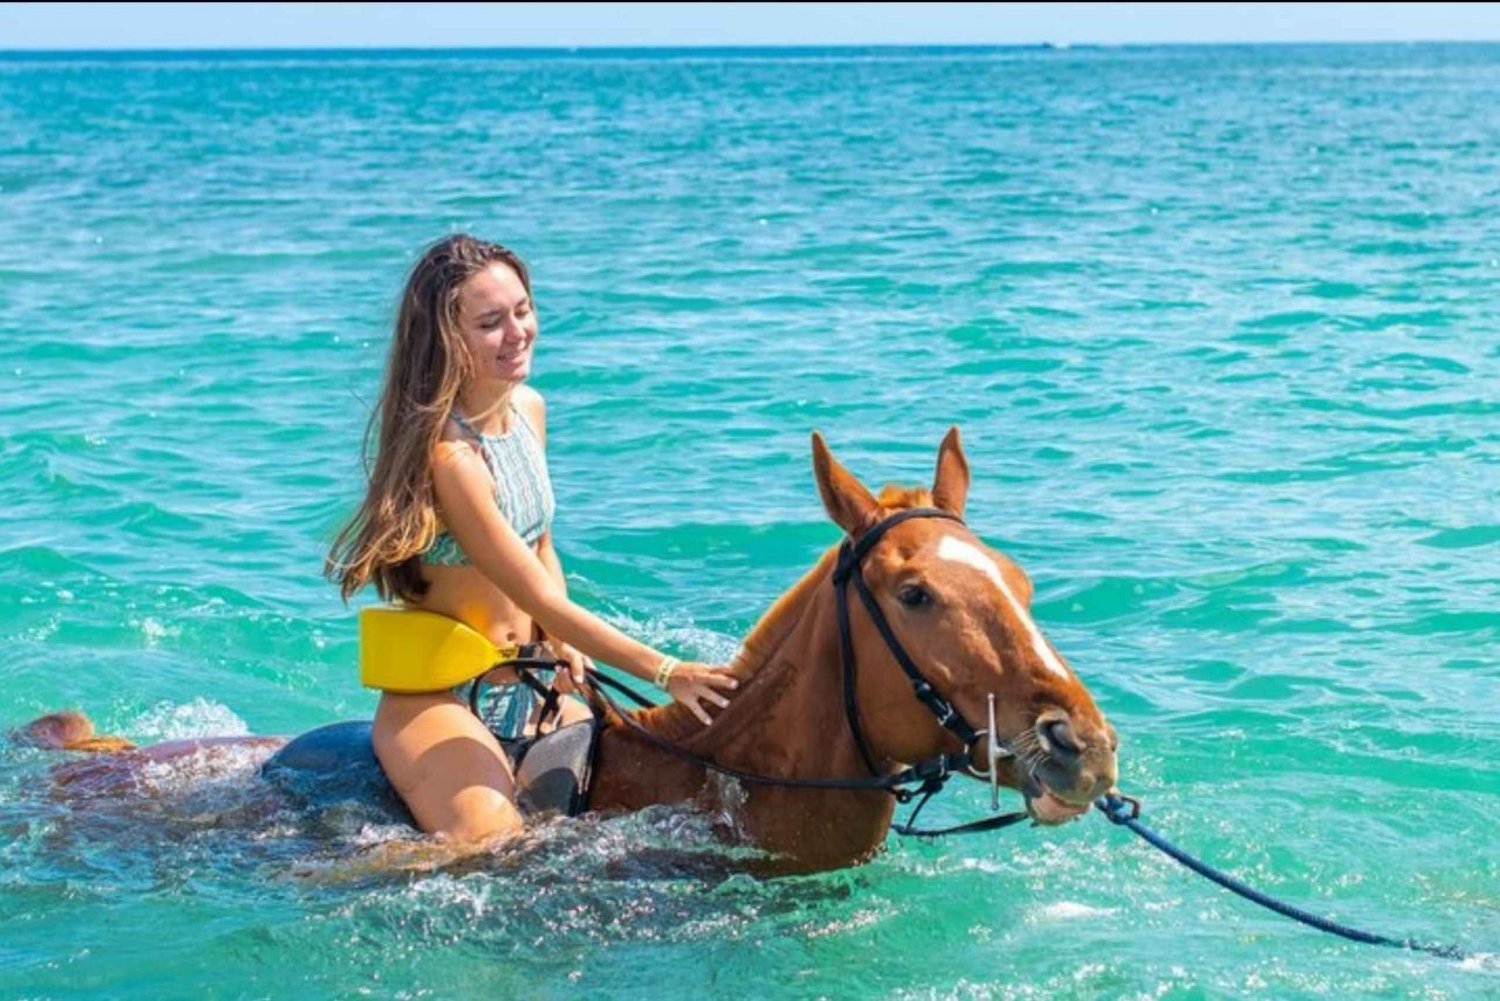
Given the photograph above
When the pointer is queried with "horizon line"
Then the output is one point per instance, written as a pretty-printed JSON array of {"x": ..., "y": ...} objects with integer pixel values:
[{"x": 1057, "y": 45}]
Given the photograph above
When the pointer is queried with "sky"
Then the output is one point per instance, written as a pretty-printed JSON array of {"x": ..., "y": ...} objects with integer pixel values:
[{"x": 507, "y": 25}]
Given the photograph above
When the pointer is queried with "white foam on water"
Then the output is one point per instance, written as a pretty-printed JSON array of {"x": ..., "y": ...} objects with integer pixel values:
[
  {"x": 153, "y": 631},
  {"x": 203, "y": 765},
  {"x": 184, "y": 721},
  {"x": 43, "y": 631},
  {"x": 472, "y": 897},
  {"x": 1069, "y": 910},
  {"x": 691, "y": 641}
]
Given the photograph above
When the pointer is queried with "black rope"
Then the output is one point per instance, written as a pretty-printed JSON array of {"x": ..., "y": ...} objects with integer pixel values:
[
  {"x": 1124, "y": 812},
  {"x": 933, "y": 774},
  {"x": 523, "y": 666},
  {"x": 599, "y": 677}
]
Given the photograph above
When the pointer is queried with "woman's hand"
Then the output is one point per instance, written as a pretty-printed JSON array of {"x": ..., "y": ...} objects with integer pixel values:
[
  {"x": 572, "y": 667},
  {"x": 694, "y": 684}
]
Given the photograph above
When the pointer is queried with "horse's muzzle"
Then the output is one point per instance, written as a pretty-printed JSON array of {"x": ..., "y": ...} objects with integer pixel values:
[{"x": 1078, "y": 764}]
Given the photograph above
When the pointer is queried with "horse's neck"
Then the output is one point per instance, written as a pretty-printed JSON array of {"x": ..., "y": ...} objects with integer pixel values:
[
  {"x": 787, "y": 717},
  {"x": 786, "y": 720}
]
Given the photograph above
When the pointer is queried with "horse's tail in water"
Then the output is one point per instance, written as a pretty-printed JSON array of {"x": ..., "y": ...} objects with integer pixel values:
[{"x": 68, "y": 731}]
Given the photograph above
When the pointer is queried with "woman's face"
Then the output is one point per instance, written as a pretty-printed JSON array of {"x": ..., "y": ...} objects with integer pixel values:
[{"x": 498, "y": 323}]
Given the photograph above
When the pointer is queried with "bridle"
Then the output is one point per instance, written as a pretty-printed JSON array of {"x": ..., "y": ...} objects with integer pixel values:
[
  {"x": 929, "y": 776},
  {"x": 848, "y": 569}
]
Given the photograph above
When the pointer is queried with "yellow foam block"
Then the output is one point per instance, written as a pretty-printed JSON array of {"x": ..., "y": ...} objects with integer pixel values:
[{"x": 406, "y": 650}]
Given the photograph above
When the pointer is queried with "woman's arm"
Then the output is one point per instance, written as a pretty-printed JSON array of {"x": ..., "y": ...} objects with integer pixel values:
[
  {"x": 548, "y": 555},
  {"x": 573, "y": 666},
  {"x": 465, "y": 493}
]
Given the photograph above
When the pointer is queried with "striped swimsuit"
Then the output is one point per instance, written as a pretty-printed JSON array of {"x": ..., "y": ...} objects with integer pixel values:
[{"x": 523, "y": 491}]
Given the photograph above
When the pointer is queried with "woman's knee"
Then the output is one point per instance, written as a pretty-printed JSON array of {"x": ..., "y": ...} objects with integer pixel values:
[
  {"x": 479, "y": 813},
  {"x": 462, "y": 793}
]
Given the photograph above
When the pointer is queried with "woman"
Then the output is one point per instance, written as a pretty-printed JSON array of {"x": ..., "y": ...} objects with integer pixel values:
[{"x": 457, "y": 520}]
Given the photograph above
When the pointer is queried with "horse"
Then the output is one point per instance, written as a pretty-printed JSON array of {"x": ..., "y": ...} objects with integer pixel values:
[{"x": 832, "y": 708}]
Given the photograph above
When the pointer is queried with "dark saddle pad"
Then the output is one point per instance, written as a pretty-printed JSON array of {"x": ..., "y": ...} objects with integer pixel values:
[
  {"x": 553, "y": 771},
  {"x": 337, "y": 762}
]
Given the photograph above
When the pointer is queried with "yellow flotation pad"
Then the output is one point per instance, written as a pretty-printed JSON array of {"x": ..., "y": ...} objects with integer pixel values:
[{"x": 407, "y": 650}]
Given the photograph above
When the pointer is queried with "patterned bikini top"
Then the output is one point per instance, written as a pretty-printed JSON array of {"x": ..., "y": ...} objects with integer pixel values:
[{"x": 523, "y": 490}]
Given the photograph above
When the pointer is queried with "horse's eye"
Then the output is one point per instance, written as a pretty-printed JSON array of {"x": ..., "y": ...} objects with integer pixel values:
[{"x": 913, "y": 596}]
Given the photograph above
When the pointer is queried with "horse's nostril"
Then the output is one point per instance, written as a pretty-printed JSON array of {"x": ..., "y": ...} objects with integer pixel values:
[{"x": 1058, "y": 736}]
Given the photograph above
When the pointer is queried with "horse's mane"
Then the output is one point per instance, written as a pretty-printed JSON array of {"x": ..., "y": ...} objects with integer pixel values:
[{"x": 895, "y": 498}]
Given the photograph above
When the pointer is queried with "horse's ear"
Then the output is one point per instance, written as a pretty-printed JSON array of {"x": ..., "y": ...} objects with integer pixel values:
[
  {"x": 950, "y": 488},
  {"x": 849, "y": 504}
]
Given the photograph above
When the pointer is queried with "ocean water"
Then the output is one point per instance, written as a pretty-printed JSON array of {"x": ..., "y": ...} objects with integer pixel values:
[{"x": 1220, "y": 327}]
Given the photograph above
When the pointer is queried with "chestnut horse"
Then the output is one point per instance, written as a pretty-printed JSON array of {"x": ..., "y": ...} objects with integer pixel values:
[{"x": 958, "y": 611}]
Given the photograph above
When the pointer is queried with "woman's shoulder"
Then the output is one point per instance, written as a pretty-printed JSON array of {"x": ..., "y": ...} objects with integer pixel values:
[
  {"x": 529, "y": 399},
  {"x": 453, "y": 433},
  {"x": 459, "y": 465},
  {"x": 454, "y": 446},
  {"x": 531, "y": 404}
]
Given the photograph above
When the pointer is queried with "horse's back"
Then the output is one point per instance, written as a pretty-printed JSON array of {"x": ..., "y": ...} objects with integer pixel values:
[{"x": 334, "y": 763}]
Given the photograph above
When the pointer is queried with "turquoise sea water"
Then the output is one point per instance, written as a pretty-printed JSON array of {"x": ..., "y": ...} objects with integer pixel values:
[{"x": 1219, "y": 326}]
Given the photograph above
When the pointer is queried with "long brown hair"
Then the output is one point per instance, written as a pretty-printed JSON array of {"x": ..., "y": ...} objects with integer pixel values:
[{"x": 428, "y": 366}]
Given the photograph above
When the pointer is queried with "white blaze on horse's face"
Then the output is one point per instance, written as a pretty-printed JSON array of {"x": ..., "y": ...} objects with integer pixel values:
[{"x": 956, "y": 550}]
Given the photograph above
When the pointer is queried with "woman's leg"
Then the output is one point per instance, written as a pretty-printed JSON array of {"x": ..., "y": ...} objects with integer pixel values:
[{"x": 447, "y": 767}]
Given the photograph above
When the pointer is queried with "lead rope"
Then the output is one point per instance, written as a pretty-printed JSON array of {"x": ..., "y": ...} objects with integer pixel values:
[{"x": 1123, "y": 811}]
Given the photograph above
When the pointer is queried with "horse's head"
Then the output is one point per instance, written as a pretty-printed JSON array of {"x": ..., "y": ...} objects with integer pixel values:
[{"x": 962, "y": 612}]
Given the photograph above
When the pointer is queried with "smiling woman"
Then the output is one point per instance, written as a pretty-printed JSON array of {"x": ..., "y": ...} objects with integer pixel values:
[{"x": 457, "y": 520}]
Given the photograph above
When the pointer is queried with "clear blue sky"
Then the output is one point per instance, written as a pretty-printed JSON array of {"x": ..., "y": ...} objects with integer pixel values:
[{"x": 400, "y": 25}]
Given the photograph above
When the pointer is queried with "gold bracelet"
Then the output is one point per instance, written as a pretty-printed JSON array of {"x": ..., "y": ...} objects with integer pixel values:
[{"x": 664, "y": 671}]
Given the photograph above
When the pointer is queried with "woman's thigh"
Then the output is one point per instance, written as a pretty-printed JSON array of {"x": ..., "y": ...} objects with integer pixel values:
[{"x": 446, "y": 766}]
